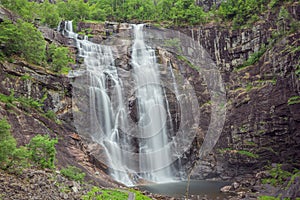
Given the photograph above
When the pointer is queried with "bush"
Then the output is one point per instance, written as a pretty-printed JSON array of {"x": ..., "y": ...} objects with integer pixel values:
[
  {"x": 73, "y": 173},
  {"x": 42, "y": 151},
  {"x": 24, "y": 40},
  {"x": 20, "y": 160},
  {"x": 58, "y": 57},
  {"x": 278, "y": 176},
  {"x": 253, "y": 58},
  {"x": 7, "y": 144},
  {"x": 12, "y": 158}
]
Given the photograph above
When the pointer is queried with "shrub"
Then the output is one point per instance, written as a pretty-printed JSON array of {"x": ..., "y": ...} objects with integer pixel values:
[
  {"x": 20, "y": 160},
  {"x": 278, "y": 176},
  {"x": 7, "y": 144},
  {"x": 253, "y": 58},
  {"x": 24, "y": 40},
  {"x": 73, "y": 173},
  {"x": 51, "y": 114},
  {"x": 58, "y": 58},
  {"x": 42, "y": 151}
]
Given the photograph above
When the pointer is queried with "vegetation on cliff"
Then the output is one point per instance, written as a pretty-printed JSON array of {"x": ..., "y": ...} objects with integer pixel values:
[
  {"x": 178, "y": 12},
  {"x": 23, "y": 39},
  {"x": 39, "y": 152}
]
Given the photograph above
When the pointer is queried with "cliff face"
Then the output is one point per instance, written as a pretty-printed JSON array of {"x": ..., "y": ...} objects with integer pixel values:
[
  {"x": 262, "y": 125},
  {"x": 36, "y": 95},
  {"x": 261, "y": 118}
]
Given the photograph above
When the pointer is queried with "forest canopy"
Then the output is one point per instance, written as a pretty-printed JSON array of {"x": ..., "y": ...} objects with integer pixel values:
[{"x": 179, "y": 12}]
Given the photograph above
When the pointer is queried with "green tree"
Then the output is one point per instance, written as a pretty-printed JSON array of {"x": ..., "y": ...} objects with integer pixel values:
[
  {"x": 49, "y": 14},
  {"x": 24, "y": 40},
  {"x": 26, "y": 9},
  {"x": 164, "y": 8},
  {"x": 58, "y": 57},
  {"x": 7, "y": 144},
  {"x": 42, "y": 151}
]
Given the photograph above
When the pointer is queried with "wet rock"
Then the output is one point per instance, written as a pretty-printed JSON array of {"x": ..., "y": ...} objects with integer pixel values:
[
  {"x": 235, "y": 185},
  {"x": 226, "y": 188}
]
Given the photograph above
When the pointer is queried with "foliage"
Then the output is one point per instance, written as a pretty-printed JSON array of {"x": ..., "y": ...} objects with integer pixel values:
[
  {"x": 106, "y": 194},
  {"x": 29, "y": 102},
  {"x": 268, "y": 198},
  {"x": 51, "y": 115},
  {"x": 247, "y": 153},
  {"x": 293, "y": 177},
  {"x": 42, "y": 151},
  {"x": 20, "y": 160},
  {"x": 11, "y": 158},
  {"x": 73, "y": 173},
  {"x": 139, "y": 195},
  {"x": 26, "y": 102},
  {"x": 240, "y": 11},
  {"x": 58, "y": 57},
  {"x": 26, "y": 9},
  {"x": 48, "y": 14},
  {"x": 278, "y": 176},
  {"x": 22, "y": 39},
  {"x": 294, "y": 100},
  {"x": 241, "y": 152},
  {"x": 253, "y": 58},
  {"x": 6, "y": 99},
  {"x": 180, "y": 12},
  {"x": 7, "y": 144}
]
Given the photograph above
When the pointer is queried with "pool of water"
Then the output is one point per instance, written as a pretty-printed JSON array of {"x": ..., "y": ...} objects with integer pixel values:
[{"x": 200, "y": 188}]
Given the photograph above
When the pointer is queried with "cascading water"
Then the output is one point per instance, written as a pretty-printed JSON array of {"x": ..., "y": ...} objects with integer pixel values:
[
  {"x": 151, "y": 112},
  {"x": 108, "y": 117}
]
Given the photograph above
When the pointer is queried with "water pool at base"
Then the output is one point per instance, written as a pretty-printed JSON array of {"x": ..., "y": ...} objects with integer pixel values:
[{"x": 209, "y": 189}]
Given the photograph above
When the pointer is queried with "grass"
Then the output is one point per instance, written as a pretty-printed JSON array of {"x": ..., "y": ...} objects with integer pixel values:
[
  {"x": 247, "y": 153},
  {"x": 241, "y": 152},
  {"x": 184, "y": 59},
  {"x": 116, "y": 194},
  {"x": 73, "y": 173},
  {"x": 268, "y": 198},
  {"x": 65, "y": 70},
  {"x": 297, "y": 174},
  {"x": 26, "y": 77},
  {"x": 278, "y": 176},
  {"x": 253, "y": 58},
  {"x": 294, "y": 100},
  {"x": 26, "y": 102}
]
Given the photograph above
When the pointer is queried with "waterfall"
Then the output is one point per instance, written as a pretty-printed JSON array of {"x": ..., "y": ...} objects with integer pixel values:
[
  {"x": 107, "y": 110},
  {"x": 108, "y": 120},
  {"x": 154, "y": 150}
]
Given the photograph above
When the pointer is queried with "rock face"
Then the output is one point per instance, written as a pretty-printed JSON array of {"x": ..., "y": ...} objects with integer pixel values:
[
  {"x": 53, "y": 92},
  {"x": 261, "y": 126}
]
